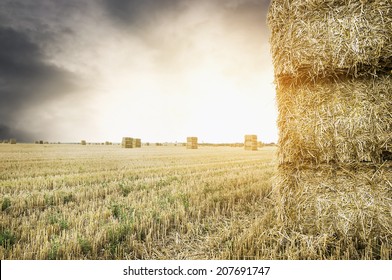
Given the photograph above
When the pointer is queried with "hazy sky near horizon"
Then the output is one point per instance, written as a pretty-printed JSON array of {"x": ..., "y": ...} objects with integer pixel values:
[{"x": 159, "y": 70}]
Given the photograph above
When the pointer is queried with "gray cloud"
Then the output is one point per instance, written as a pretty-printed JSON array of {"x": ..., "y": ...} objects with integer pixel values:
[
  {"x": 26, "y": 79},
  {"x": 140, "y": 13}
]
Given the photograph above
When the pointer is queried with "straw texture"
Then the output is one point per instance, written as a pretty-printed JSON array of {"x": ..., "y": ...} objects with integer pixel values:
[{"x": 332, "y": 62}]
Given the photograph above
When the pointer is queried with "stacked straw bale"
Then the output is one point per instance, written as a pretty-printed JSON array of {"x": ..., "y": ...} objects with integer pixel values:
[
  {"x": 332, "y": 62},
  {"x": 83, "y": 142},
  {"x": 312, "y": 38},
  {"x": 191, "y": 143},
  {"x": 127, "y": 142},
  {"x": 137, "y": 143},
  {"x": 250, "y": 142}
]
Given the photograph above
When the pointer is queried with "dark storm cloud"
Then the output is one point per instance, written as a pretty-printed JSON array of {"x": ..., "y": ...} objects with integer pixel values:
[
  {"x": 140, "y": 13},
  {"x": 147, "y": 11},
  {"x": 26, "y": 79},
  {"x": 31, "y": 36},
  {"x": 7, "y": 133}
]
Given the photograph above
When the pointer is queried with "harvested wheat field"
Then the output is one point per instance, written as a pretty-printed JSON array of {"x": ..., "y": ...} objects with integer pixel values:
[{"x": 104, "y": 202}]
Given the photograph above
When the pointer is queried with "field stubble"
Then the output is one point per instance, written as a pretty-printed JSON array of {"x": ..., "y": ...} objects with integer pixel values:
[{"x": 93, "y": 202}]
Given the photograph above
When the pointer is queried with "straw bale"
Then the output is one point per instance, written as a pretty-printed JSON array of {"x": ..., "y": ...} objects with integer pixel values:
[
  {"x": 332, "y": 62},
  {"x": 83, "y": 142},
  {"x": 250, "y": 142},
  {"x": 138, "y": 143},
  {"x": 12, "y": 141},
  {"x": 323, "y": 37},
  {"x": 348, "y": 202},
  {"x": 127, "y": 142},
  {"x": 341, "y": 120},
  {"x": 191, "y": 143}
]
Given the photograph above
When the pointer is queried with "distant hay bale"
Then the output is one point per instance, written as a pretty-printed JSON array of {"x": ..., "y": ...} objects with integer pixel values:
[
  {"x": 250, "y": 142},
  {"x": 191, "y": 143},
  {"x": 127, "y": 142},
  {"x": 311, "y": 38},
  {"x": 12, "y": 141},
  {"x": 138, "y": 143},
  {"x": 332, "y": 62},
  {"x": 83, "y": 142}
]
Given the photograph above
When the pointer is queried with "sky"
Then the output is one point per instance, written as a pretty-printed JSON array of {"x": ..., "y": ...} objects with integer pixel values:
[{"x": 159, "y": 70}]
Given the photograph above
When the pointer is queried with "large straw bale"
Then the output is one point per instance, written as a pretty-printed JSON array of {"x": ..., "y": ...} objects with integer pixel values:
[
  {"x": 83, "y": 142},
  {"x": 12, "y": 141},
  {"x": 311, "y": 38},
  {"x": 333, "y": 61},
  {"x": 340, "y": 120}
]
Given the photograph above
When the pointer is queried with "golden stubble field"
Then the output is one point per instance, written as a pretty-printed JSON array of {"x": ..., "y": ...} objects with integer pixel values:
[{"x": 104, "y": 202}]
